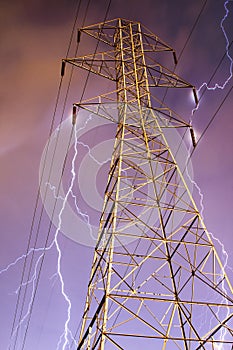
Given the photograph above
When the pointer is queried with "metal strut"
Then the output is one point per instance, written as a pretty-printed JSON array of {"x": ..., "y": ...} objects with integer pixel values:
[{"x": 156, "y": 274}]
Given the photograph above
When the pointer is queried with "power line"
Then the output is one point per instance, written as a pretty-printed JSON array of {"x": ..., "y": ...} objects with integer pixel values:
[
  {"x": 215, "y": 71},
  {"x": 192, "y": 29},
  {"x": 213, "y": 117},
  {"x": 187, "y": 40},
  {"x": 37, "y": 202},
  {"x": 64, "y": 164},
  {"x": 81, "y": 99}
]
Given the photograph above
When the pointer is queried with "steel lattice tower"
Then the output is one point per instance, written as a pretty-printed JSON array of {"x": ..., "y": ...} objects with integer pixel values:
[{"x": 157, "y": 281}]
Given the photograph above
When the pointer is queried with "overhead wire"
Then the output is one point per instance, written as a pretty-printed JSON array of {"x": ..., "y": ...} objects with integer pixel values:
[
  {"x": 221, "y": 103},
  {"x": 51, "y": 166},
  {"x": 179, "y": 57},
  {"x": 61, "y": 119},
  {"x": 192, "y": 29},
  {"x": 86, "y": 85},
  {"x": 211, "y": 77},
  {"x": 212, "y": 119},
  {"x": 206, "y": 85},
  {"x": 36, "y": 206},
  {"x": 187, "y": 41},
  {"x": 217, "y": 110},
  {"x": 82, "y": 95},
  {"x": 214, "y": 72},
  {"x": 46, "y": 243}
]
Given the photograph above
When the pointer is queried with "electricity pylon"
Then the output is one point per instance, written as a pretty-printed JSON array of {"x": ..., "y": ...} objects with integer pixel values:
[{"x": 157, "y": 281}]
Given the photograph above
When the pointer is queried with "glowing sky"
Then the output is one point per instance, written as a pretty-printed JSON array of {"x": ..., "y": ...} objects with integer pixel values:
[{"x": 34, "y": 36}]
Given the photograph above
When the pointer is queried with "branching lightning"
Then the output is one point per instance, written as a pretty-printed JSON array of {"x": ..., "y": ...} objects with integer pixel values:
[
  {"x": 33, "y": 282},
  {"x": 66, "y": 335},
  {"x": 219, "y": 86},
  {"x": 228, "y": 55},
  {"x": 216, "y": 86},
  {"x": 64, "y": 338},
  {"x": 201, "y": 196}
]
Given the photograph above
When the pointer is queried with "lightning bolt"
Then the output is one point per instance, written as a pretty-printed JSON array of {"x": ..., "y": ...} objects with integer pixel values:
[
  {"x": 31, "y": 281},
  {"x": 216, "y": 86},
  {"x": 64, "y": 340},
  {"x": 227, "y": 47},
  {"x": 66, "y": 336},
  {"x": 84, "y": 216},
  {"x": 201, "y": 196}
]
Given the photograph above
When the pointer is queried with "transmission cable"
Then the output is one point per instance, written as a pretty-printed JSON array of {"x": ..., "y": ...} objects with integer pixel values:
[
  {"x": 186, "y": 42},
  {"x": 36, "y": 204},
  {"x": 63, "y": 168},
  {"x": 82, "y": 96},
  {"x": 85, "y": 86},
  {"x": 53, "y": 214},
  {"x": 212, "y": 119},
  {"x": 215, "y": 71}
]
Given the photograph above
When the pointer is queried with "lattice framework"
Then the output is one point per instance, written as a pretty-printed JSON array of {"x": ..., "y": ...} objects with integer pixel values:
[{"x": 156, "y": 277}]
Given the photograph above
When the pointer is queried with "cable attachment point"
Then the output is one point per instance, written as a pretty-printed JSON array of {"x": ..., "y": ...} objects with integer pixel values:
[
  {"x": 174, "y": 57},
  {"x": 78, "y": 36},
  {"x": 63, "y": 65},
  {"x": 195, "y": 96},
  {"x": 193, "y": 137},
  {"x": 74, "y": 115}
]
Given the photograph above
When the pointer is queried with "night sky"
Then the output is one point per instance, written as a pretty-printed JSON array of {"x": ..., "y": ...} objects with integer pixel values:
[{"x": 34, "y": 37}]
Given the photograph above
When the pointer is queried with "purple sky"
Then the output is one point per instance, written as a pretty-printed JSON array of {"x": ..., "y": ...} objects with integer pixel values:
[{"x": 34, "y": 39}]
